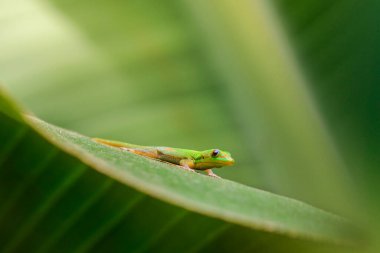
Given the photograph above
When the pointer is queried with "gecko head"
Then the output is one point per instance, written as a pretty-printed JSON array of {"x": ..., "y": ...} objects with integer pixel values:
[{"x": 213, "y": 158}]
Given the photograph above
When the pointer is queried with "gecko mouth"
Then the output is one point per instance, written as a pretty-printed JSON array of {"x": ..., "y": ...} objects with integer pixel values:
[
  {"x": 229, "y": 162},
  {"x": 216, "y": 164}
]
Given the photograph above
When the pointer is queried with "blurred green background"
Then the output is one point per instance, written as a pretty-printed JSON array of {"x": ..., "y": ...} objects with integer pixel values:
[{"x": 289, "y": 87}]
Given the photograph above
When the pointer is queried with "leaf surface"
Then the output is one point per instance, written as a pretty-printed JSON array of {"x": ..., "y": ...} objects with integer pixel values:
[{"x": 61, "y": 190}]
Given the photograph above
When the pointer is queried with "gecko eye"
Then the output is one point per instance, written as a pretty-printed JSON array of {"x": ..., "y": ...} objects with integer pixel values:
[{"x": 215, "y": 153}]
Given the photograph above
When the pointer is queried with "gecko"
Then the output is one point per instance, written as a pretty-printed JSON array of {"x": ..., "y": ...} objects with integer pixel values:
[{"x": 190, "y": 160}]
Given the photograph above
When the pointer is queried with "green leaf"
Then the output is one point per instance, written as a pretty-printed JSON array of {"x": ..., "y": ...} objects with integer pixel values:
[{"x": 60, "y": 190}]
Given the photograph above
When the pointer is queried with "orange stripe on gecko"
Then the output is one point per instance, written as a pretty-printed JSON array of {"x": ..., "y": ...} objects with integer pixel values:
[{"x": 151, "y": 154}]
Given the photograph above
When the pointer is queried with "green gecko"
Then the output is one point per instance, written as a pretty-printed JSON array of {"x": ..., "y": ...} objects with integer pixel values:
[{"x": 188, "y": 159}]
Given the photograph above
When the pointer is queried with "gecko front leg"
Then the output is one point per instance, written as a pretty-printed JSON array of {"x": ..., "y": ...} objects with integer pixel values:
[
  {"x": 211, "y": 174},
  {"x": 186, "y": 164}
]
